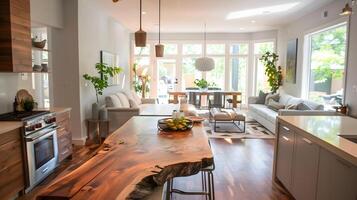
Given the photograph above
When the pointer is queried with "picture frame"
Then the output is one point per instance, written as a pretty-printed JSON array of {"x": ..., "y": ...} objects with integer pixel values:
[
  {"x": 291, "y": 61},
  {"x": 111, "y": 60}
]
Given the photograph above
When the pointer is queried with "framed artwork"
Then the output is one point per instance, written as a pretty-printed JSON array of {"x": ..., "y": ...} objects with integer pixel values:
[
  {"x": 112, "y": 59},
  {"x": 291, "y": 61}
]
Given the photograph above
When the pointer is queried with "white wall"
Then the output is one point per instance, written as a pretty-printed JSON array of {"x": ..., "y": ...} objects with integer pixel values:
[
  {"x": 351, "y": 88},
  {"x": 98, "y": 31},
  {"x": 47, "y": 12},
  {"x": 64, "y": 49},
  {"x": 298, "y": 29}
]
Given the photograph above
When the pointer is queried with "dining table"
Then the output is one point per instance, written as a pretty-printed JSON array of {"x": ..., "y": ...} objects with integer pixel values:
[
  {"x": 176, "y": 95},
  {"x": 133, "y": 161}
]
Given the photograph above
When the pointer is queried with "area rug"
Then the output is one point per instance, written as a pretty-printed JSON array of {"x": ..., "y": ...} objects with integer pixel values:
[
  {"x": 226, "y": 130},
  {"x": 253, "y": 129}
]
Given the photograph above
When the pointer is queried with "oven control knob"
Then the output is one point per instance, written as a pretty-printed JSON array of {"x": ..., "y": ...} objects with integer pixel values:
[
  {"x": 39, "y": 125},
  {"x": 30, "y": 128}
]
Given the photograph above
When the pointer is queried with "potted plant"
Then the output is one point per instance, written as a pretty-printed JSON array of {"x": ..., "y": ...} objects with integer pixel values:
[
  {"x": 203, "y": 84},
  {"x": 272, "y": 71},
  {"x": 101, "y": 82}
]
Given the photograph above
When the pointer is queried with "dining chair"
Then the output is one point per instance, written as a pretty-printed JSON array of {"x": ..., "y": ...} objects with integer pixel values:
[
  {"x": 216, "y": 100},
  {"x": 193, "y": 98}
]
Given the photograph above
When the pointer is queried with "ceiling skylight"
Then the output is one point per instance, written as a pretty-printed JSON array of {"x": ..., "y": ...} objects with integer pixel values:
[{"x": 261, "y": 11}]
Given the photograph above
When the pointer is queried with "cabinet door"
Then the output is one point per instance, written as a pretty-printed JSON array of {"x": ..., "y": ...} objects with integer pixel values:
[
  {"x": 337, "y": 178},
  {"x": 285, "y": 155},
  {"x": 305, "y": 169}
]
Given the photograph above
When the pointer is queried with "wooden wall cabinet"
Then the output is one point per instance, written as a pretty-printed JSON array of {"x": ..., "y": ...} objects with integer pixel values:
[
  {"x": 15, "y": 36},
  {"x": 64, "y": 136},
  {"x": 11, "y": 164}
]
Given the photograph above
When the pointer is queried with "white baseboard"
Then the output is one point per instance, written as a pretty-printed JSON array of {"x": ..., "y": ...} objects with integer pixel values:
[{"x": 79, "y": 141}]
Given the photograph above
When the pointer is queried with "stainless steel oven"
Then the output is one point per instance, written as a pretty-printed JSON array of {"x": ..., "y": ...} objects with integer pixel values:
[
  {"x": 40, "y": 138},
  {"x": 42, "y": 151}
]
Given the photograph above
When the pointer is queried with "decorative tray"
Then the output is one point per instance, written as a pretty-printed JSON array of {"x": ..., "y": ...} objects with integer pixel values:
[{"x": 170, "y": 124}]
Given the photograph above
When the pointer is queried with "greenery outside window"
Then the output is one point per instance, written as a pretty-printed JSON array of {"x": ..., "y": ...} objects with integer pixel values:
[{"x": 327, "y": 60}]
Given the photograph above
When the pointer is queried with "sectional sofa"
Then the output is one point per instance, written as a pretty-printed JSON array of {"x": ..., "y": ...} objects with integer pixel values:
[{"x": 267, "y": 117}]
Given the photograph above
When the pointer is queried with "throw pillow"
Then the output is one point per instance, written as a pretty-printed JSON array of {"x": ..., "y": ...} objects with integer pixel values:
[
  {"x": 274, "y": 105},
  {"x": 291, "y": 107},
  {"x": 303, "y": 106},
  {"x": 133, "y": 104},
  {"x": 261, "y": 98},
  {"x": 272, "y": 96}
]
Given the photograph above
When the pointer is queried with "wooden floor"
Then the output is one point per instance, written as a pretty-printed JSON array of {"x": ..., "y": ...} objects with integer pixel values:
[{"x": 243, "y": 171}]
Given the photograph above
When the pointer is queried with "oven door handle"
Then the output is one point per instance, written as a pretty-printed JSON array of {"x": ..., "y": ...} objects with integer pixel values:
[{"x": 33, "y": 139}]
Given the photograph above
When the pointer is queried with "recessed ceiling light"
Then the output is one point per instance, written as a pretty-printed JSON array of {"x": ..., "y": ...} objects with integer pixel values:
[
  {"x": 261, "y": 11},
  {"x": 253, "y": 21},
  {"x": 144, "y": 13},
  {"x": 241, "y": 29}
]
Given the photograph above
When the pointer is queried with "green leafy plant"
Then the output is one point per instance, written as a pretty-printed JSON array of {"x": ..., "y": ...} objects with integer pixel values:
[
  {"x": 203, "y": 84},
  {"x": 28, "y": 104},
  {"x": 101, "y": 82},
  {"x": 273, "y": 72},
  {"x": 139, "y": 80}
]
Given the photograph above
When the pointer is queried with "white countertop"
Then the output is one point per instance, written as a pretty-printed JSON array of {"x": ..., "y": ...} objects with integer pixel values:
[{"x": 325, "y": 131}]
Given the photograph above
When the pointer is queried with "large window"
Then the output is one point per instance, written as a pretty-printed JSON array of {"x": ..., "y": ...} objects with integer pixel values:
[
  {"x": 239, "y": 68},
  {"x": 261, "y": 80},
  {"x": 327, "y": 52},
  {"x": 217, "y": 75},
  {"x": 190, "y": 52}
]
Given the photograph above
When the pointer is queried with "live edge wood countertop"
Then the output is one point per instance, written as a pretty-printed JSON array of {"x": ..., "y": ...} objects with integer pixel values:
[
  {"x": 325, "y": 131},
  {"x": 133, "y": 161}
]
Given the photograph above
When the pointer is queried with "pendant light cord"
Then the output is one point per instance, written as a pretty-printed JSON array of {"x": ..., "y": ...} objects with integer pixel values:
[
  {"x": 141, "y": 12},
  {"x": 159, "y": 21},
  {"x": 205, "y": 41}
]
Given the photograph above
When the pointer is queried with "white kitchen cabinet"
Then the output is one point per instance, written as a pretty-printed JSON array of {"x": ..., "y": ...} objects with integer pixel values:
[{"x": 337, "y": 178}]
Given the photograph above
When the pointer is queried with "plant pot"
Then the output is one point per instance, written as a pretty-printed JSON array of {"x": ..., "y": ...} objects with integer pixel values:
[
  {"x": 203, "y": 89},
  {"x": 95, "y": 111}
]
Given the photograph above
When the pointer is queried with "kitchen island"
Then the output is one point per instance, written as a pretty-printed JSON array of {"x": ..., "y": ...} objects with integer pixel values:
[
  {"x": 316, "y": 157},
  {"x": 133, "y": 161}
]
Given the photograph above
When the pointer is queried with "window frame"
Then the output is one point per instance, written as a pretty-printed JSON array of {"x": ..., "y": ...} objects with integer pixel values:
[{"x": 307, "y": 52}]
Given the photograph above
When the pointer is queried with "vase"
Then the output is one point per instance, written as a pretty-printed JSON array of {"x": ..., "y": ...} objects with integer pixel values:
[{"x": 95, "y": 111}]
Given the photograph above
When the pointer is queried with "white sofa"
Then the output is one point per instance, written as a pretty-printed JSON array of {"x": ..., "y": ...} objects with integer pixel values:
[
  {"x": 267, "y": 117},
  {"x": 123, "y": 105}
]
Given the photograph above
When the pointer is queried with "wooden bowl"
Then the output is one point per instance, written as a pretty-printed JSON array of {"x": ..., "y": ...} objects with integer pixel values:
[
  {"x": 162, "y": 125},
  {"x": 40, "y": 44}
]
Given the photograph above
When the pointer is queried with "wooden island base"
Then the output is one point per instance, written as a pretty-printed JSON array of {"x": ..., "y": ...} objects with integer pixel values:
[{"x": 133, "y": 161}]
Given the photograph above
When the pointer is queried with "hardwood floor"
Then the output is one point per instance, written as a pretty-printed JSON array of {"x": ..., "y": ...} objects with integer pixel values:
[{"x": 243, "y": 171}]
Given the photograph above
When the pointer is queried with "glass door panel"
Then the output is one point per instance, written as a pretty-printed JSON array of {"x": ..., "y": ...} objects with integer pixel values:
[
  {"x": 216, "y": 76},
  {"x": 239, "y": 67},
  {"x": 189, "y": 73},
  {"x": 166, "y": 79}
]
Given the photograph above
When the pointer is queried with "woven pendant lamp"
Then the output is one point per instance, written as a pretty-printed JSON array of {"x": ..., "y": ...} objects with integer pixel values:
[
  {"x": 140, "y": 35},
  {"x": 204, "y": 64},
  {"x": 159, "y": 48}
]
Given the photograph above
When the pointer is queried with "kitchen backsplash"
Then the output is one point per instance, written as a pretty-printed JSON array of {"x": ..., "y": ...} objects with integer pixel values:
[{"x": 10, "y": 83}]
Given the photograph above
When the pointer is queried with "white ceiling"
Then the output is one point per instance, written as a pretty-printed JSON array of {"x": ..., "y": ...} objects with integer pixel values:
[{"x": 190, "y": 15}]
